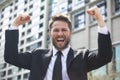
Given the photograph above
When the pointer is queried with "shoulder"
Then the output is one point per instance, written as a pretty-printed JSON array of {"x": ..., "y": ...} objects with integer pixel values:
[
  {"x": 40, "y": 51},
  {"x": 82, "y": 52}
]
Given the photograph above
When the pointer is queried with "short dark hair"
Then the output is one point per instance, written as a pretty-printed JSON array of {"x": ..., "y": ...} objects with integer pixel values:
[{"x": 60, "y": 17}]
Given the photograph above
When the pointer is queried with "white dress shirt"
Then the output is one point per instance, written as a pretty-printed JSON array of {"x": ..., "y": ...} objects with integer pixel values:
[
  {"x": 49, "y": 73},
  {"x": 64, "y": 67}
]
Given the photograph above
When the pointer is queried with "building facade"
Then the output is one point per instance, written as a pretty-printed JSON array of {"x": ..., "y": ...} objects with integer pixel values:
[{"x": 34, "y": 34}]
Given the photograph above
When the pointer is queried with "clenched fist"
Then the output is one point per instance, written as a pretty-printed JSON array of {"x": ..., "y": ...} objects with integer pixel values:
[
  {"x": 21, "y": 19},
  {"x": 95, "y": 13}
]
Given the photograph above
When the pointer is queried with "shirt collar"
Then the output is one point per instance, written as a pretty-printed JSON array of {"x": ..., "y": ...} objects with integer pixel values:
[{"x": 64, "y": 51}]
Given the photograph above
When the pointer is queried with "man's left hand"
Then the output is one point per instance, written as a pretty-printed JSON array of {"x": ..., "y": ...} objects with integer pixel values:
[{"x": 95, "y": 13}]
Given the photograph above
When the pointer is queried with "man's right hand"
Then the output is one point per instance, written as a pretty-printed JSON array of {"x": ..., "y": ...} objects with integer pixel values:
[{"x": 21, "y": 19}]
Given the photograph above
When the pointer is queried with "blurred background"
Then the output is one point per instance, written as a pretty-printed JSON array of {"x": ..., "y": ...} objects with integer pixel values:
[{"x": 35, "y": 33}]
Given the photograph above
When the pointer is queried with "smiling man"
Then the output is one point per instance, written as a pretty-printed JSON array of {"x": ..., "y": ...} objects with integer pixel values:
[
  {"x": 61, "y": 62},
  {"x": 60, "y": 32}
]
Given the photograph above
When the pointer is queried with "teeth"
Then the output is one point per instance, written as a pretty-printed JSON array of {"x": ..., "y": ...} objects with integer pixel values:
[{"x": 60, "y": 39}]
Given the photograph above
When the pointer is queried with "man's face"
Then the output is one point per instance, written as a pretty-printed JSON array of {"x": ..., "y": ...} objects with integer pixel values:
[{"x": 60, "y": 34}]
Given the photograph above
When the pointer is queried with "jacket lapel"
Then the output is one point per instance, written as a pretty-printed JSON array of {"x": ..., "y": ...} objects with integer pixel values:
[
  {"x": 70, "y": 57},
  {"x": 46, "y": 61}
]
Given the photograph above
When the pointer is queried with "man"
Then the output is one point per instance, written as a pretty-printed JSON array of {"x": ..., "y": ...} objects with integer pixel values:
[{"x": 71, "y": 65}]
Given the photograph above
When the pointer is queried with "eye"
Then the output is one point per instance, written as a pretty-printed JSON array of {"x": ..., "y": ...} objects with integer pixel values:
[
  {"x": 55, "y": 30},
  {"x": 64, "y": 30}
]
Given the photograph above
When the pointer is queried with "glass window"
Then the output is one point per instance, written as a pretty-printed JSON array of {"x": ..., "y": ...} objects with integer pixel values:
[
  {"x": 10, "y": 10},
  {"x": 15, "y": 15},
  {"x": 117, "y": 78},
  {"x": 25, "y": 9},
  {"x": 18, "y": 77},
  {"x": 23, "y": 25},
  {"x": 29, "y": 22},
  {"x": 41, "y": 16},
  {"x": 28, "y": 31},
  {"x": 11, "y": 4},
  {"x": 21, "y": 50},
  {"x": 1, "y": 23},
  {"x": 10, "y": 18},
  {"x": 40, "y": 25},
  {"x": 0, "y": 30},
  {"x": 79, "y": 20},
  {"x": 9, "y": 25},
  {"x": 39, "y": 44},
  {"x": 20, "y": 69},
  {"x": 15, "y": 8},
  {"x": 23, "y": 33},
  {"x": 16, "y": 1},
  {"x": 63, "y": 7},
  {"x": 78, "y": 3},
  {"x": 40, "y": 34},
  {"x": 31, "y": 6},
  {"x": 25, "y": 1},
  {"x": 117, "y": 5},
  {"x": 69, "y": 5},
  {"x": 31, "y": 39},
  {"x": 10, "y": 72},
  {"x": 2, "y": 16},
  {"x": 30, "y": 14},
  {"x": 102, "y": 7},
  {"x": 26, "y": 76},
  {"x": 99, "y": 72},
  {"x": 2, "y": 74},
  {"x": 0, "y": 37},
  {"x": 42, "y": 0},
  {"x": 42, "y": 8},
  {"x": 102, "y": 71},
  {"x": 22, "y": 42},
  {"x": 34, "y": 46},
  {"x": 10, "y": 78},
  {"x": 3, "y": 9},
  {"x": 2, "y": 66},
  {"x": 117, "y": 58}
]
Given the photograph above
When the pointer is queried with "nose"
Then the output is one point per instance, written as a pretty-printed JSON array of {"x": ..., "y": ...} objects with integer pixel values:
[{"x": 60, "y": 33}]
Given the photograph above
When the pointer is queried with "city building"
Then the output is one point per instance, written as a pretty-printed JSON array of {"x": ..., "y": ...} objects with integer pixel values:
[{"x": 34, "y": 34}]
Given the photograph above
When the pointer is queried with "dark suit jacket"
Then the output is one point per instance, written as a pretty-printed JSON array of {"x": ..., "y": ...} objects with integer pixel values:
[{"x": 37, "y": 61}]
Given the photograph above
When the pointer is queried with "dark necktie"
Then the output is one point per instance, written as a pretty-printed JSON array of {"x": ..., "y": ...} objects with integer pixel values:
[{"x": 57, "y": 70}]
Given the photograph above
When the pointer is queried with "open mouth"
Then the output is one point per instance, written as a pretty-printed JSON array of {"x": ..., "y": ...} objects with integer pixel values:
[{"x": 60, "y": 39}]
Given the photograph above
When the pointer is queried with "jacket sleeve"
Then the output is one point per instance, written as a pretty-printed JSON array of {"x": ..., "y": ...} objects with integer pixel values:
[
  {"x": 104, "y": 54},
  {"x": 11, "y": 54}
]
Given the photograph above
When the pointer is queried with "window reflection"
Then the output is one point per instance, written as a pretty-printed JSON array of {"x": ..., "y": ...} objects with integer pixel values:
[
  {"x": 117, "y": 58},
  {"x": 99, "y": 72},
  {"x": 117, "y": 5},
  {"x": 103, "y": 9},
  {"x": 79, "y": 20}
]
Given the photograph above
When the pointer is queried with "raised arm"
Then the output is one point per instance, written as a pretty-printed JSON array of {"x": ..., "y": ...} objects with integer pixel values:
[
  {"x": 104, "y": 55},
  {"x": 11, "y": 54}
]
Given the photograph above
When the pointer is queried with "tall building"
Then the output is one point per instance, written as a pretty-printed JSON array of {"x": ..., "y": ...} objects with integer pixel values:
[
  {"x": 34, "y": 34},
  {"x": 85, "y": 30}
]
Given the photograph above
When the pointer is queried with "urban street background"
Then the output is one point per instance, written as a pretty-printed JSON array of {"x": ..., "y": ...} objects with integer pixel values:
[{"x": 35, "y": 33}]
